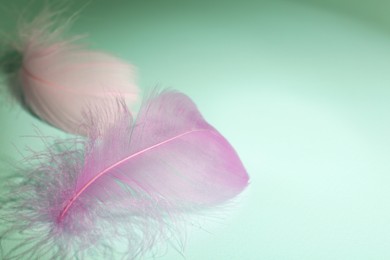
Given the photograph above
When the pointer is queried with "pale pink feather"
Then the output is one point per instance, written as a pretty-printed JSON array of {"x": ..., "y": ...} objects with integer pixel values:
[
  {"x": 60, "y": 79},
  {"x": 130, "y": 183}
]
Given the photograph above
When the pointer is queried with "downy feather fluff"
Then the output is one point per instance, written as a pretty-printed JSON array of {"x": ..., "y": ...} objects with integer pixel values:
[
  {"x": 58, "y": 78},
  {"x": 125, "y": 188}
]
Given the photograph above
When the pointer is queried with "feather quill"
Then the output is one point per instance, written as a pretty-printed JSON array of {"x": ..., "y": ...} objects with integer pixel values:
[
  {"x": 58, "y": 78},
  {"x": 129, "y": 184}
]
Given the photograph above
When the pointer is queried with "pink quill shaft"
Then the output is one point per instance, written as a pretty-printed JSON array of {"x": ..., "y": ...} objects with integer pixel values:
[
  {"x": 107, "y": 170},
  {"x": 27, "y": 73}
]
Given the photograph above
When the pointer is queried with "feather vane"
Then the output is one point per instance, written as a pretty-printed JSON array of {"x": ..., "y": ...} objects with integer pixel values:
[
  {"x": 130, "y": 182},
  {"x": 59, "y": 79}
]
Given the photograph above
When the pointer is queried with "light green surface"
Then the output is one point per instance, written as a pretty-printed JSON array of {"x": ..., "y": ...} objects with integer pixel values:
[{"x": 301, "y": 90}]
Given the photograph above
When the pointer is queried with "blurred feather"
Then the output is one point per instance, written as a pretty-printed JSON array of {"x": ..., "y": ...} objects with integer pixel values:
[
  {"x": 57, "y": 79},
  {"x": 126, "y": 186}
]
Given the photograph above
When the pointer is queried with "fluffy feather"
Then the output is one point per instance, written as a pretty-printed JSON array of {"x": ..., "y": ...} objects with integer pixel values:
[
  {"x": 126, "y": 187},
  {"x": 59, "y": 78}
]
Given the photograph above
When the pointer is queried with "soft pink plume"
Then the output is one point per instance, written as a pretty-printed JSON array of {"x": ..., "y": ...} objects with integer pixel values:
[
  {"x": 126, "y": 185},
  {"x": 59, "y": 78}
]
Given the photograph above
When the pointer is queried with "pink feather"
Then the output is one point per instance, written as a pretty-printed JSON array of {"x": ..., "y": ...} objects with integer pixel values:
[
  {"x": 60, "y": 79},
  {"x": 127, "y": 185}
]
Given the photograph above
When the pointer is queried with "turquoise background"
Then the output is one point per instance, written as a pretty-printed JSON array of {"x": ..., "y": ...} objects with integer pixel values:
[{"x": 300, "y": 89}]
